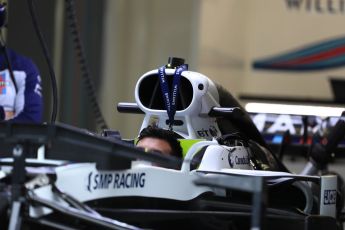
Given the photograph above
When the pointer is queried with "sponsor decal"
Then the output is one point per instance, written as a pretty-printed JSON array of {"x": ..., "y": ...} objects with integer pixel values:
[
  {"x": 231, "y": 162},
  {"x": 38, "y": 88},
  {"x": 97, "y": 181},
  {"x": 317, "y": 6},
  {"x": 242, "y": 160},
  {"x": 3, "y": 83},
  {"x": 210, "y": 132},
  {"x": 300, "y": 129},
  {"x": 329, "y": 197},
  {"x": 213, "y": 131},
  {"x": 154, "y": 121},
  {"x": 274, "y": 123},
  {"x": 235, "y": 159},
  {"x": 322, "y": 55},
  {"x": 203, "y": 133}
]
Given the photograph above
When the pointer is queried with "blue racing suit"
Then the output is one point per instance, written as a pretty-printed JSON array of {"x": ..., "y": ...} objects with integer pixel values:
[{"x": 26, "y": 104}]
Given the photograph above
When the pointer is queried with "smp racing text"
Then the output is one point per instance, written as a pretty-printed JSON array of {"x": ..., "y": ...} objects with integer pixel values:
[{"x": 115, "y": 180}]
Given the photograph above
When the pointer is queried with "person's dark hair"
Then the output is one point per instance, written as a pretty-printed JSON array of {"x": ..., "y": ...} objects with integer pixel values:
[{"x": 163, "y": 134}]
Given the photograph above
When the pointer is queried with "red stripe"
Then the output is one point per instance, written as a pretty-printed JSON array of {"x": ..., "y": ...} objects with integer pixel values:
[{"x": 316, "y": 57}]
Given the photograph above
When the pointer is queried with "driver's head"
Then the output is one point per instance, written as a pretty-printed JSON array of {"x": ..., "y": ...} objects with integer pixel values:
[{"x": 160, "y": 140}]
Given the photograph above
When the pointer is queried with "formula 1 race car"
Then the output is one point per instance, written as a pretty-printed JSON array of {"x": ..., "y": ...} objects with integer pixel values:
[{"x": 61, "y": 177}]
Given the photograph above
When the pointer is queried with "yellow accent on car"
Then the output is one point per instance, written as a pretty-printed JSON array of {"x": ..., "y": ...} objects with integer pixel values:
[{"x": 187, "y": 143}]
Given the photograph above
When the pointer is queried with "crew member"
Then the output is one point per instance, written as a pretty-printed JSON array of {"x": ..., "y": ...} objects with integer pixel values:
[{"x": 20, "y": 91}]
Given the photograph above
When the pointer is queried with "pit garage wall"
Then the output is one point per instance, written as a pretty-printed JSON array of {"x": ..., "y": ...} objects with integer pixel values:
[
  {"x": 222, "y": 47},
  {"x": 139, "y": 36},
  {"x": 236, "y": 33}
]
